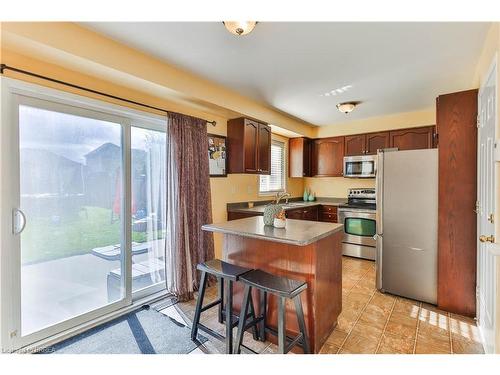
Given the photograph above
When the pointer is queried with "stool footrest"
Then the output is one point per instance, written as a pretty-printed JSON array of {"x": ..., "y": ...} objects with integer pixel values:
[
  {"x": 291, "y": 341},
  {"x": 211, "y": 304}
]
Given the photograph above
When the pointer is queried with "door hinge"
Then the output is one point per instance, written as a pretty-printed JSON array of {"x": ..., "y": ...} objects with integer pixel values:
[
  {"x": 478, "y": 121},
  {"x": 478, "y": 206}
]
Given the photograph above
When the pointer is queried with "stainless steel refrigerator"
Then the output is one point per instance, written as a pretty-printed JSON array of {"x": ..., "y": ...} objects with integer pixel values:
[{"x": 407, "y": 218}]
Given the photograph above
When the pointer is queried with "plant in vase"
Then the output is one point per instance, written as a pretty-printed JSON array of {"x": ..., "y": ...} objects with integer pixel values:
[
  {"x": 274, "y": 208},
  {"x": 280, "y": 220}
]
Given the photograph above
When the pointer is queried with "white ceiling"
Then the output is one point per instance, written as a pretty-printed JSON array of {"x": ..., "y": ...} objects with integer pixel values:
[{"x": 392, "y": 67}]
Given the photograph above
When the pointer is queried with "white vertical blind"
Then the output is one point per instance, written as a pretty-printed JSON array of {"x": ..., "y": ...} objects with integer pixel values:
[{"x": 276, "y": 180}]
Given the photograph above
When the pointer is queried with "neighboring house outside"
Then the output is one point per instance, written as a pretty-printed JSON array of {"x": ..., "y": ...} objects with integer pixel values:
[
  {"x": 103, "y": 174},
  {"x": 51, "y": 184}
]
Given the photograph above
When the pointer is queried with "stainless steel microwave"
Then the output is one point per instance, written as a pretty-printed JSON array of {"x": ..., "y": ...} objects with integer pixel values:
[{"x": 360, "y": 166}]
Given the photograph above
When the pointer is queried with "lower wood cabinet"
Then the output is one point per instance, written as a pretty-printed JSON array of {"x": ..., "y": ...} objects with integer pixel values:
[
  {"x": 328, "y": 213},
  {"x": 325, "y": 213},
  {"x": 233, "y": 215},
  {"x": 303, "y": 213}
]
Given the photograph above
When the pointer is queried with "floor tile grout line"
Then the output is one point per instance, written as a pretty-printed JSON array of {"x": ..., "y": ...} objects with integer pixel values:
[
  {"x": 356, "y": 321},
  {"x": 362, "y": 310},
  {"x": 417, "y": 328},
  {"x": 359, "y": 315},
  {"x": 385, "y": 325},
  {"x": 449, "y": 331}
]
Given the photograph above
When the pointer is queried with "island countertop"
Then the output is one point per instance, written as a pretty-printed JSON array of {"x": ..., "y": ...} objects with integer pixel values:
[{"x": 296, "y": 232}]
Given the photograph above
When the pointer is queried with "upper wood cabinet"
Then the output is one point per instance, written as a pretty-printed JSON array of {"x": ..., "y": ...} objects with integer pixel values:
[
  {"x": 377, "y": 141},
  {"x": 299, "y": 157},
  {"x": 366, "y": 144},
  {"x": 328, "y": 157},
  {"x": 249, "y": 146},
  {"x": 264, "y": 150},
  {"x": 355, "y": 144},
  {"x": 413, "y": 138}
]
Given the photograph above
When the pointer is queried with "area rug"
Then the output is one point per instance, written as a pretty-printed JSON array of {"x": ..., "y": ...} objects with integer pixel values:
[{"x": 146, "y": 331}]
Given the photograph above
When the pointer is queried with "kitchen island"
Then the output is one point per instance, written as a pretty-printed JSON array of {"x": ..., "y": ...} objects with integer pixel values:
[{"x": 304, "y": 250}]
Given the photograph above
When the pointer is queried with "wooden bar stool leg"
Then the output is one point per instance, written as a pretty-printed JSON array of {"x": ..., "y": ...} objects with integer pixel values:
[
  {"x": 229, "y": 316},
  {"x": 302, "y": 324},
  {"x": 263, "y": 309},
  {"x": 220, "y": 294},
  {"x": 242, "y": 319},
  {"x": 199, "y": 305},
  {"x": 281, "y": 325}
]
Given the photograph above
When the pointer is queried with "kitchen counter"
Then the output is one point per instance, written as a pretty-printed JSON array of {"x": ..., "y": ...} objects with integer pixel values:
[
  {"x": 296, "y": 232},
  {"x": 309, "y": 251},
  {"x": 293, "y": 204}
]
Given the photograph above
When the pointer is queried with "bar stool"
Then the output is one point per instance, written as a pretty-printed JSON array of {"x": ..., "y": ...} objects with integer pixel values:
[
  {"x": 226, "y": 274},
  {"x": 283, "y": 289}
]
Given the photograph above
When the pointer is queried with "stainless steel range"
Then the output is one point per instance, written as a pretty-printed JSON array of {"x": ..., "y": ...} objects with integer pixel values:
[{"x": 359, "y": 219}]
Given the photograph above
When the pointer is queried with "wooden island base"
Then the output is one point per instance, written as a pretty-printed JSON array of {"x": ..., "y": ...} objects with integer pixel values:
[{"x": 319, "y": 264}]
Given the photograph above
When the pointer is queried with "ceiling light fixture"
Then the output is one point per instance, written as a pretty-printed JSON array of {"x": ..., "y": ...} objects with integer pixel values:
[
  {"x": 347, "y": 107},
  {"x": 239, "y": 27}
]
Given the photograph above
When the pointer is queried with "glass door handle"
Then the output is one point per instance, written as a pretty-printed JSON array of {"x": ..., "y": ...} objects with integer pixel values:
[{"x": 18, "y": 225}]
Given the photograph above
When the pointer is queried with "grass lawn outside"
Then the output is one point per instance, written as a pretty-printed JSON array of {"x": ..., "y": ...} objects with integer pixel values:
[{"x": 43, "y": 240}]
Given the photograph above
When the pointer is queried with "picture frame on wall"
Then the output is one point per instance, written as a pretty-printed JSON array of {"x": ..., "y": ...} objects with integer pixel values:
[{"x": 217, "y": 155}]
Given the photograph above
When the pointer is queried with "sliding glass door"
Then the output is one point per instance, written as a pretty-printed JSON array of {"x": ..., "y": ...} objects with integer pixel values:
[
  {"x": 88, "y": 204},
  {"x": 70, "y": 189}
]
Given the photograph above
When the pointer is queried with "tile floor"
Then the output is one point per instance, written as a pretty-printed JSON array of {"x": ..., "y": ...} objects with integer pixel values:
[{"x": 370, "y": 322}]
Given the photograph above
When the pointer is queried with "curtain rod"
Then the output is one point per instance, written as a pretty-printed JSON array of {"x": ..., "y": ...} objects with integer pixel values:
[{"x": 6, "y": 67}]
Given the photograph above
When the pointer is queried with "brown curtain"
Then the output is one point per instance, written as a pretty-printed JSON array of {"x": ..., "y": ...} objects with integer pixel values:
[{"x": 188, "y": 203}]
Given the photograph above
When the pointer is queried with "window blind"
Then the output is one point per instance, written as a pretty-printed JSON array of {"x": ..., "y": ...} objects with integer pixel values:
[{"x": 276, "y": 180}]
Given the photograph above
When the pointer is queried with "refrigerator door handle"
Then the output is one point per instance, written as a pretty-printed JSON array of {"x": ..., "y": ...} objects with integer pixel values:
[{"x": 379, "y": 188}]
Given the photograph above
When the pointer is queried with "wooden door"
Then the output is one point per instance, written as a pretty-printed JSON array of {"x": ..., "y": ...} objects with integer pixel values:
[
  {"x": 412, "y": 139},
  {"x": 328, "y": 157},
  {"x": 376, "y": 141},
  {"x": 355, "y": 145},
  {"x": 264, "y": 150},
  {"x": 250, "y": 146},
  {"x": 457, "y": 241}
]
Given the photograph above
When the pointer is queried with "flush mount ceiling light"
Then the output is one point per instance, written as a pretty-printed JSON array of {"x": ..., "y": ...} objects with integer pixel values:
[
  {"x": 347, "y": 107},
  {"x": 240, "y": 27}
]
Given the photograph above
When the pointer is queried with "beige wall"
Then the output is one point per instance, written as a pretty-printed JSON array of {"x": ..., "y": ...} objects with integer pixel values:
[
  {"x": 337, "y": 186},
  {"x": 491, "y": 49},
  {"x": 403, "y": 120}
]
